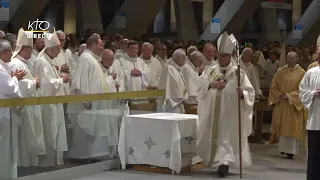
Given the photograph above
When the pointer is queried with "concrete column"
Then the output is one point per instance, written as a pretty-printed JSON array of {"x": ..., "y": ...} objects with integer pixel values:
[
  {"x": 139, "y": 15},
  {"x": 70, "y": 16},
  {"x": 270, "y": 26},
  {"x": 91, "y": 17},
  {"x": 29, "y": 10},
  {"x": 186, "y": 21},
  {"x": 296, "y": 10},
  {"x": 233, "y": 15},
  {"x": 310, "y": 24}
]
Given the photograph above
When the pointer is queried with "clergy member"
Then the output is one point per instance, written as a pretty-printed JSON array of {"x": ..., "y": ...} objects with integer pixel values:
[
  {"x": 250, "y": 70},
  {"x": 218, "y": 93},
  {"x": 162, "y": 53},
  {"x": 38, "y": 45},
  {"x": 110, "y": 66},
  {"x": 314, "y": 64},
  {"x": 209, "y": 51},
  {"x": 171, "y": 80},
  {"x": 76, "y": 55},
  {"x": 31, "y": 137},
  {"x": 272, "y": 65},
  {"x": 90, "y": 130},
  {"x": 190, "y": 72},
  {"x": 190, "y": 50},
  {"x": 136, "y": 71},
  {"x": 123, "y": 49},
  {"x": 154, "y": 65},
  {"x": 52, "y": 114},
  {"x": 309, "y": 93},
  {"x": 288, "y": 117},
  {"x": 9, "y": 88}
]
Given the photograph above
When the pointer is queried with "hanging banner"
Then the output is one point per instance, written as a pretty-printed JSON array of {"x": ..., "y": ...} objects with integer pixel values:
[
  {"x": 4, "y": 10},
  {"x": 121, "y": 20},
  {"x": 297, "y": 32},
  {"x": 216, "y": 26}
]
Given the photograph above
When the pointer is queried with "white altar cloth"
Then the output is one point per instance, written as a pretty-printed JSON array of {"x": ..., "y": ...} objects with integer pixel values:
[{"x": 158, "y": 139}]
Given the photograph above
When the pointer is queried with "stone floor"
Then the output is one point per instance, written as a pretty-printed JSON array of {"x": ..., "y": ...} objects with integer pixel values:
[{"x": 268, "y": 164}]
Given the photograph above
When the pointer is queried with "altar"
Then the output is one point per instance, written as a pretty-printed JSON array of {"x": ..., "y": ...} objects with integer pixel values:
[{"x": 158, "y": 139}]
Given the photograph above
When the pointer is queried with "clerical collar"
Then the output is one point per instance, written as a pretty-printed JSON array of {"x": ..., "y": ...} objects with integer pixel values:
[
  {"x": 130, "y": 58},
  {"x": 174, "y": 64},
  {"x": 92, "y": 54},
  {"x": 206, "y": 62},
  {"x": 160, "y": 58},
  {"x": 296, "y": 66}
]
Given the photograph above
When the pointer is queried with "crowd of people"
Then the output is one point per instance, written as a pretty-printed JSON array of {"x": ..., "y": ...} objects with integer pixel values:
[{"x": 197, "y": 73}]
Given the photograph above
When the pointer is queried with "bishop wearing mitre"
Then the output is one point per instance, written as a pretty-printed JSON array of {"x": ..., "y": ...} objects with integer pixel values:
[
  {"x": 52, "y": 114},
  {"x": 218, "y": 93},
  {"x": 91, "y": 120},
  {"x": 31, "y": 137}
]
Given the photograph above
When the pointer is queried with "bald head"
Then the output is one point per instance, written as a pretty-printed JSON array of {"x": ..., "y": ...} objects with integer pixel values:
[
  {"x": 209, "y": 51},
  {"x": 107, "y": 57},
  {"x": 147, "y": 49},
  {"x": 82, "y": 47},
  {"x": 247, "y": 54},
  {"x": 292, "y": 59}
]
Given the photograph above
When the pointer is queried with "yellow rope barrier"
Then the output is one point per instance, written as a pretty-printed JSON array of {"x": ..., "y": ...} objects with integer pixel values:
[{"x": 79, "y": 98}]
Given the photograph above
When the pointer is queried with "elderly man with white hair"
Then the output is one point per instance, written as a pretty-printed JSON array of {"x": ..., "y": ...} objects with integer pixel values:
[
  {"x": 190, "y": 50},
  {"x": 171, "y": 80},
  {"x": 2, "y": 34},
  {"x": 153, "y": 64},
  {"x": 190, "y": 72},
  {"x": 250, "y": 70}
]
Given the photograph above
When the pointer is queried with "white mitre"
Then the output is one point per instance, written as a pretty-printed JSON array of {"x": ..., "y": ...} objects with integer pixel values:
[
  {"x": 225, "y": 44},
  {"x": 318, "y": 41},
  {"x": 23, "y": 39},
  {"x": 51, "y": 40},
  {"x": 233, "y": 38}
]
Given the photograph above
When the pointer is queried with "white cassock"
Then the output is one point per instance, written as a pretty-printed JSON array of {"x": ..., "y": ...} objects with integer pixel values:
[
  {"x": 33, "y": 59},
  {"x": 31, "y": 137},
  {"x": 133, "y": 83},
  {"x": 171, "y": 80},
  {"x": 107, "y": 71},
  {"x": 191, "y": 78},
  {"x": 217, "y": 131},
  {"x": 119, "y": 54},
  {"x": 52, "y": 114},
  {"x": 72, "y": 62},
  {"x": 9, "y": 88},
  {"x": 117, "y": 68},
  {"x": 91, "y": 126},
  {"x": 271, "y": 69},
  {"x": 155, "y": 69},
  {"x": 161, "y": 60},
  {"x": 307, "y": 88},
  {"x": 252, "y": 75},
  {"x": 60, "y": 60}
]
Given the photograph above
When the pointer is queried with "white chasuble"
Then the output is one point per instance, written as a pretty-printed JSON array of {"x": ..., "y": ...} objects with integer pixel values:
[
  {"x": 9, "y": 88},
  {"x": 31, "y": 137},
  {"x": 52, "y": 114},
  {"x": 91, "y": 121},
  {"x": 171, "y": 80},
  {"x": 162, "y": 61},
  {"x": 207, "y": 64},
  {"x": 155, "y": 69},
  {"x": 134, "y": 83},
  {"x": 217, "y": 131},
  {"x": 191, "y": 78},
  {"x": 107, "y": 71}
]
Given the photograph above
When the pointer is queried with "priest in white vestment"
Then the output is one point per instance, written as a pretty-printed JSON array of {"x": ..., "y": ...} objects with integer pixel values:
[
  {"x": 9, "y": 88},
  {"x": 31, "y": 138},
  {"x": 250, "y": 70},
  {"x": 110, "y": 66},
  {"x": 209, "y": 51},
  {"x": 271, "y": 68},
  {"x": 123, "y": 49},
  {"x": 154, "y": 65},
  {"x": 218, "y": 93},
  {"x": 90, "y": 120},
  {"x": 52, "y": 84},
  {"x": 76, "y": 55},
  {"x": 190, "y": 50},
  {"x": 38, "y": 45},
  {"x": 190, "y": 72},
  {"x": 171, "y": 80},
  {"x": 162, "y": 53},
  {"x": 309, "y": 93},
  {"x": 136, "y": 71}
]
